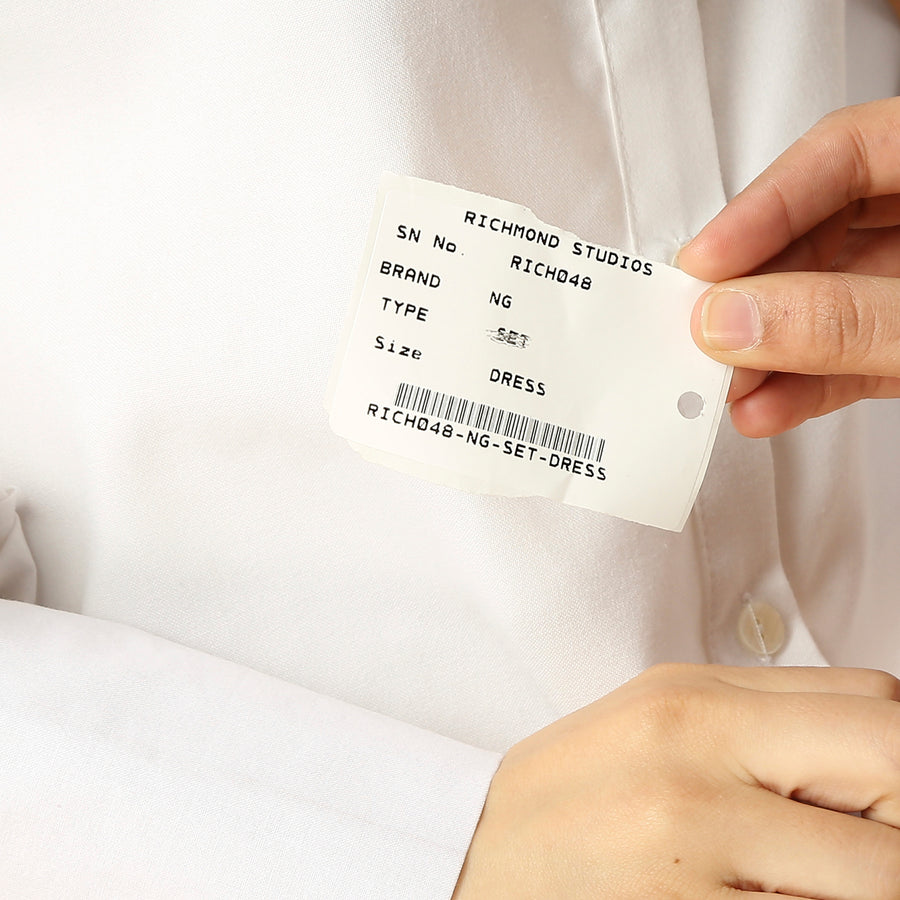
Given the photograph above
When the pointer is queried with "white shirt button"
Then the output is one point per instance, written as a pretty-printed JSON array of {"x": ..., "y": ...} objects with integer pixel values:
[{"x": 761, "y": 628}]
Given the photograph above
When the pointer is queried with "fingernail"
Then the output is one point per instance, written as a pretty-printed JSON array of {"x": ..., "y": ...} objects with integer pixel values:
[{"x": 731, "y": 321}]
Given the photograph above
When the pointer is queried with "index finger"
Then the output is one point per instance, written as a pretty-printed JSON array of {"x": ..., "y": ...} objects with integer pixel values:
[{"x": 849, "y": 155}]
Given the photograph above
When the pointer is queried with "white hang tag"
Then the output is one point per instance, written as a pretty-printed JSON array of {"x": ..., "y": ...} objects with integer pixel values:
[{"x": 486, "y": 350}]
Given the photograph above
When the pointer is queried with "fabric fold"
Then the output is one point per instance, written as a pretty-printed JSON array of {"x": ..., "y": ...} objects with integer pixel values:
[
  {"x": 661, "y": 105},
  {"x": 18, "y": 578}
]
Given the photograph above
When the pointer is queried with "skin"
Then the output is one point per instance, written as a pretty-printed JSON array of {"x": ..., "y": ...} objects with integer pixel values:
[
  {"x": 703, "y": 781},
  {"x": 815, "y": 241}
]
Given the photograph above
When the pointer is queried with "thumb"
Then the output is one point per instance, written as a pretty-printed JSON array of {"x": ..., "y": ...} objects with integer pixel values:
[{"x": 809, "y": 322}]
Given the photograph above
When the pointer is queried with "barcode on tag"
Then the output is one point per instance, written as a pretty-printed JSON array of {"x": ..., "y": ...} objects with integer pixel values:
[
  {"x": 559, "y": 367},
  {"x": 499, "y": 421}
]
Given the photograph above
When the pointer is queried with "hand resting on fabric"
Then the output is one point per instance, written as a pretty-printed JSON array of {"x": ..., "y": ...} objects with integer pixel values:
[{"x": 702, "y": 781}]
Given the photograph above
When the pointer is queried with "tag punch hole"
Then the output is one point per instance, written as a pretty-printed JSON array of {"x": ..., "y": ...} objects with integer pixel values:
[{"x": 690, "y": 404}]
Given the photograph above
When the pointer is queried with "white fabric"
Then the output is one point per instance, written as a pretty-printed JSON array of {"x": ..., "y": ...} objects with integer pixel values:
[
  {"x": 18, "y": 579},
  {"x": 186, "y": 189},
  {"x": 139, "y": 768}
]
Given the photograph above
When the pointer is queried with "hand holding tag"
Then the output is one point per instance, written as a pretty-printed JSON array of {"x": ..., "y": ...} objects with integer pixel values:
[
  {"x": 818, "y": 230},
  {"x": 490, "y": 351}
]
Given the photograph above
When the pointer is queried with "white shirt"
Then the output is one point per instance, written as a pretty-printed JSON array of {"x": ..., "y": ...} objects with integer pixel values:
[{"x": 293, "y": 671}]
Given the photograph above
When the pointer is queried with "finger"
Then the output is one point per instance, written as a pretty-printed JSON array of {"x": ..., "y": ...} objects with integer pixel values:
[
  {"x": 835, "y": 751},
  {"x": 815, "y": 250},
  {"x": 743, "y": 382},
  {"x": 875, "y": 252},
  {"x": 831, "y": 246},
  {"x": 808, "y": 322},
  {"x": 789, "y": 848},
  {"x": 843, "y": 244},
  {"x": 848, "y": 155},
  {"x": 877, "y": 212},
  {"x": 810, "y": 679},
  {"x": 739, "y": 894},
  {"x": 786, "y": 400}
]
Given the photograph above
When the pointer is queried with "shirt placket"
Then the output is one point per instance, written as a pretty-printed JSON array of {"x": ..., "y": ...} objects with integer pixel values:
[{"x": 669, "y": 164}]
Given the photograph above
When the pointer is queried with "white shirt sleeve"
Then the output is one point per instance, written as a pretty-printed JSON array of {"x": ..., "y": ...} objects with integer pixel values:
[{"x": 153, "y": 770}]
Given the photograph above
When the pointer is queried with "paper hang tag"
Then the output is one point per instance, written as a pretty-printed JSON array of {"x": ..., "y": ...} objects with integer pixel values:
[{"x": 486, "y": 350}]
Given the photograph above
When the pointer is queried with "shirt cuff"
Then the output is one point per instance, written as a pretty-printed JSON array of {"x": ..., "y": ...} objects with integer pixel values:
[{"x": 133, "y": 766}]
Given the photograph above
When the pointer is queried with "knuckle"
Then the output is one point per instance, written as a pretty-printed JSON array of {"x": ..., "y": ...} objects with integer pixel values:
[
  {"x": 892, "y": 741},
  {"x": 886, "y": 742},
  {"x": 842, "y": 327},
  {"x": 854, "y": 143},
  {"x": 670, "y": 706},
  {"x": 843, "y": 136}
]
